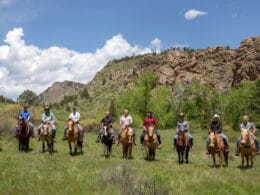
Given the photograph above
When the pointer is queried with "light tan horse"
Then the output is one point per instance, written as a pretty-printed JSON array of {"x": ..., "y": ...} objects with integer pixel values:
[
  {"x": 72, "y": 135},
  {"x": 247, "y": 148},
  {"x": 217, "y": 146},
  {"x": 150, "y": 142},
  {"x": 127, "y": 140},
  {"x": 46, "y": 136}
]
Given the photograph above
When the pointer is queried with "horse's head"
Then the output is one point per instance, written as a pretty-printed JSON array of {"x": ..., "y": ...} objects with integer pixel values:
[
  {"x": 244, "y": 136},
  {"x": 150, "y": 131},
  {"x": 211, "y": 139},
  {"x": 130, "y": 135},
  {"x": 22, "y": 126},
  {"x": 70, "y": 125},
  {"x": 105, "y": 131},
  {"x": 181, "y": 138},
  {"x": 46, "y": 129}
]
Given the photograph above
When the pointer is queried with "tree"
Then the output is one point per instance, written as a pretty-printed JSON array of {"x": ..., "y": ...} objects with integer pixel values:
[{"x": 28, "y": 97}]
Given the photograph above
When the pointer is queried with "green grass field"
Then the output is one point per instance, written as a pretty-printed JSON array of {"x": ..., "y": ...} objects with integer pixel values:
[{"x": 40, "y": 173}]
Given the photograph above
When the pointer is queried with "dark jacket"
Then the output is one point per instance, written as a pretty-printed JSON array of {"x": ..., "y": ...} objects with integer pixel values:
[{"x": 216, "y": 127}]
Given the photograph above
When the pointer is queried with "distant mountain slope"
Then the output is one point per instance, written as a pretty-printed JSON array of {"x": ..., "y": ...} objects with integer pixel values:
[
  {"x": 219, "y": 67},
  {"x": 58, "y": 90}
]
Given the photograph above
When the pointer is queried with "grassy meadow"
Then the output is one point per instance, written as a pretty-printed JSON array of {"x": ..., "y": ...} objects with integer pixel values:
[{"x": 40, "y": 173}]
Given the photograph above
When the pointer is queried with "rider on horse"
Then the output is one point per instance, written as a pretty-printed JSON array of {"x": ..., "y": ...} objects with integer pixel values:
[
  {"x": 216, "y": 127},
  {"x": 75, "y": 116},
  {"x": 25, "y": 115},
  {"x": 148, "y": 121},
  {"x": 106, "y": 121},
  {"x": 47, "y": 117},
  {"x": 250, "y": 126},
  {"x": 125, "y": 121},
  {"x": 182, "y": 125}
]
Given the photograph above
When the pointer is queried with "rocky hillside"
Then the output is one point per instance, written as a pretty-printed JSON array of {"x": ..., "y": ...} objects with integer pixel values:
[
  {"x": 219, "y": 67},
  {"x": 58, "y": 90}
]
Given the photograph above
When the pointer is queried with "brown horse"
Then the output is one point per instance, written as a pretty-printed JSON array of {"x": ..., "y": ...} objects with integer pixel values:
[
  {"x": 127, "y": 140},
  {"x": 46, "y": 136},
  {"x": 23, "y": 130},
  {"x": 183, "y": 146},
  {"x": 150, "y": 142},
  {"x": 72, "y": 135},
  {"x": 217, "y": 146},
  {"x": 247, "y": 148}
]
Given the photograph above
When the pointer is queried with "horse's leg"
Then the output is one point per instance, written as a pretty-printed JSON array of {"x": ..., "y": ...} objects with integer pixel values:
[
  {"x": 187, "y": 155},
  {"x": 226, "y": 157},
  {"x": 214, "y": 158},
  {"x": 247, "y": 161},
  {"x": 70, "y": 147},
  {"x": 221, "y": 158},
  {"x": 75, "y": 147},
  {"x": 43, "y": 146},
  {"x": 242, "y": 159},
  {"x": 130, "y": 150}
]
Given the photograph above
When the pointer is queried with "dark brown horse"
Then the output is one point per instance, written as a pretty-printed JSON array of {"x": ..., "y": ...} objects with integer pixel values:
[
  {"x": 183, "y": 146},
  {"x": 23, "y": 130},
  {"x": 72, "y": 135},
  {"x": 46, "y": 136},
  {"x": 247, "y": 148},
  {"x": 150, "y": 142},
  {"x": 217, "y": 146},
  {"x": 127, "y": 140},
  {"x": 107, "y": 141}
]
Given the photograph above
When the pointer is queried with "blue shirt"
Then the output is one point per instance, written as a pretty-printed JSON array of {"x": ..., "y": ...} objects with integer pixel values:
[
  {"x": 182, "y": 126},
  {"x": 24, "y": 115}
]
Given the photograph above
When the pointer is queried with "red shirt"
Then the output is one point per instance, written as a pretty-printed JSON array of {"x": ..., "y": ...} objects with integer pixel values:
[{"x": 147, "y": 122}]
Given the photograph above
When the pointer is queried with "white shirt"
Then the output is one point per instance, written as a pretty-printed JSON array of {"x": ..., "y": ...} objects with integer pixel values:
[
  {"x": 126, "y": 121},
  {"x": 74, "y": 116}
]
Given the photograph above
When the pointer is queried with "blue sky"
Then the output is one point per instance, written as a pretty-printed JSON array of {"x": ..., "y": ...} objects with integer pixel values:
[{"x": 84, "y": 31}]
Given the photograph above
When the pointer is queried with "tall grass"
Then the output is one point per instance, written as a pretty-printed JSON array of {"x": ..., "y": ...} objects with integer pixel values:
[{"x": 40, "y": 173}]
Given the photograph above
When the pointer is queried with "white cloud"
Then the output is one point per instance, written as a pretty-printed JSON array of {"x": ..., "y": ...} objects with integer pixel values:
[
  {"x": 156, "y": 44},
  {"x": 192, "y": 14},
  {"x": 25, "y": 66}
]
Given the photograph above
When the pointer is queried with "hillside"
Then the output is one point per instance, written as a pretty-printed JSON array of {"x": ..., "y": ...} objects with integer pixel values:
[
  {"x": 219, "y": 67},
  {"x": 58, "y": 90}
]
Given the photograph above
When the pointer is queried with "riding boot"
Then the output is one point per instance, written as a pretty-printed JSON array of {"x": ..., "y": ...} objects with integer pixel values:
[
  {"x": 207, "y": 151},
  {"x": 118, "y": 138},
  {"x": 32, "y": 133},
  {"x": 134, "y": 143},
  {"x": 64, "y": 135},
  {"x": 38, "y": 136},
  {"x": 237, "y": 150},
  {"x": 98, "y": 138},
  {"x": 142, "y": 142}
]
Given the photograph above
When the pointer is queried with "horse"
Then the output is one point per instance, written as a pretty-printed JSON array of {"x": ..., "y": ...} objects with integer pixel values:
[
  {"x": 46, "y": 136},
  {"x": 72, "y": 135},
  {"x": 107, "y": 141},
  {"x": 127, "y": 140},
  {"x": 247, "y": 148},
  {"x": 183, "y": 146},
  {"x": 217, "y": 146},
  {"x": 150, "y": 142},
  {"x": 23, "y": 130}
]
